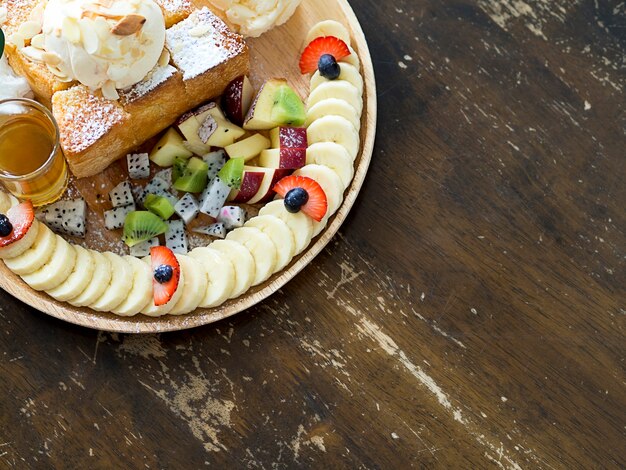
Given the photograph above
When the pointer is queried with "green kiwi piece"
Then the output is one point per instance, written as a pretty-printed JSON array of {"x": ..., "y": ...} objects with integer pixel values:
[
  {"x": 159, "y": 205},
  {"x": 141, "y": 226},
  {"x": 194, "y": 178},
  {"x": 178, "y": 167},
  {"x": 288, "y": 108},
  {"x": 232, "y": 172}
]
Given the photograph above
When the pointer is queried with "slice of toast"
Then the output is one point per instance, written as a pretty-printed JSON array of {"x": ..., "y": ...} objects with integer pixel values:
[
  {"x": 207, "y": 52},
  {"x": 174, "y": 11},
  {"x": 92, "y": 129}
]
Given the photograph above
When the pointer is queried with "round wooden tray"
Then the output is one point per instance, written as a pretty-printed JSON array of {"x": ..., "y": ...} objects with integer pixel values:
[{"x": 274, "y": 54}]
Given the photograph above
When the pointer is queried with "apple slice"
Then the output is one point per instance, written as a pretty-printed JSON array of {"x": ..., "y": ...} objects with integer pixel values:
[
  {"x": 237, "y": 99},
  {"x": 276, "y": 104},
  {"x": 283, "y": 158},
  {"x": 250, "y": 183},
  {"x": 248, "y": 148},
  {"x": 257, "y": 184},
  {"x": 193, "y": 126},
  {"x": 168, "y": 148},
  {"x": 288, "y": 137}
]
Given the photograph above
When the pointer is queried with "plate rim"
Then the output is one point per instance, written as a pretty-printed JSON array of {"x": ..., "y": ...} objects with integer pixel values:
[{"x": 88, "y": 318}]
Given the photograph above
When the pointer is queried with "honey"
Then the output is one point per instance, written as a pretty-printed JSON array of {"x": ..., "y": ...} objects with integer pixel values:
[{"x": 31, "y": 163}]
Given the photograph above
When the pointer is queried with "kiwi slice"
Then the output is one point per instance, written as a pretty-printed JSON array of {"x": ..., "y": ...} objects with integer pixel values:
[
  {"x": 288, "y": 108},
  {"x": 232, "y": 172},
  {"x": 178, "y": 167},
  {"x": 159, "y": 205},
  {"x": 141, "y": 226},
  {"x": 194, "y": 178}
]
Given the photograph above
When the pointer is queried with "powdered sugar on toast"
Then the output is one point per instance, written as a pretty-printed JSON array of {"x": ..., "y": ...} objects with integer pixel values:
[
  {"x": 155, "y": 78},
  {"x": 201, "y": 42}
]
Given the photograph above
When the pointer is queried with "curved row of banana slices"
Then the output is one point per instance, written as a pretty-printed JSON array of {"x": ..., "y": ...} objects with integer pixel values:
[{"x": 227, "y": 268}]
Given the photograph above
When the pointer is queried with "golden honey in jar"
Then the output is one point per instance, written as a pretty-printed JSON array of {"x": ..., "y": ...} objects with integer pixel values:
[{"x": 32, "y": 165}]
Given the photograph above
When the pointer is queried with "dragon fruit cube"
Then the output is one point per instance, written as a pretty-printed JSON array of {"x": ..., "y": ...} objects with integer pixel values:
[
  {"x": 187, "y": 208},
  {"x": 215, "y": 230},
  {"x": 122, "y": 195},
  {"x": 138, "y": 165},
  {"x": 232, "y": 217},
  {"x": 176, "y": 238},
  {"x": 115, "y": 218},
  {"x": 143, "y": 249},
  {"x": 67, "y": 217},
  {"x": 215, "y": 160},
  {"x": 213, "y": 197}
]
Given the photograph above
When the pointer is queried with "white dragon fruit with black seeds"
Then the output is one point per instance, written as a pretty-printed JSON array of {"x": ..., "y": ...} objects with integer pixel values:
[
  {"x": 165, "y": 175},
  {"x": 215, "y": 230},
  {"x": 215, "y": 160},
  {"x": 138, "y": 165},
  {"x": 158, "y": 187},
  {"x": 115, "y": 218},
  {"x": 138, "y": 194},
  {"x": 176, "y": 237},
  {"x": 187, "y": 208},
  {"x": 232, "y": 217},
  {"x": 67, "y": 217},
  {"x": 122, "y": 195},
  {"x": 213, "y": 197},
  {"x": 143, "y": 249}
]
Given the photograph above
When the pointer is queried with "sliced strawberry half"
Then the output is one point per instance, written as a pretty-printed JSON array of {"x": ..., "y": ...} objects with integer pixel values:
[
  {"x": 21, "y": 218},
  {"x": 320, "y": 46},
  {"x": 165, "y": 274},
  {"x": 316, "y": 204}
]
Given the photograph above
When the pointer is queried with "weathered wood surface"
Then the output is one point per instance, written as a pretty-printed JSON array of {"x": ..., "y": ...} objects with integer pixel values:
[{"x": 470, "y": 314}]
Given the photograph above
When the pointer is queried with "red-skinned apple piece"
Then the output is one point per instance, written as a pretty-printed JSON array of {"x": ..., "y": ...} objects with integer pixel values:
[
  {"x": 257, "y": 184},
  {"x": 288, "y": 137},
  {"x": 237, "y": 99},
  {"x": 283, "y": 158}
]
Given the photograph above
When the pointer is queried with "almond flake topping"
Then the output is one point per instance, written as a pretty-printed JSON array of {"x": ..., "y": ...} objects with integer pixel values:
[{"x": 128, "y": 25}]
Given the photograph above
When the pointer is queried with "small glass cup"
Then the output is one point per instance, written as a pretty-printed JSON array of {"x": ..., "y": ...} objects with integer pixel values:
[{"x": 32, "y": 165}]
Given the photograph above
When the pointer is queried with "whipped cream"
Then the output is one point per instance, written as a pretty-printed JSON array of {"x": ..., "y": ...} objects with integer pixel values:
[
  {"x": 11, "y": 85},
  {"x": 103, "y": 44},
  {"x": 255, "y": 17}
]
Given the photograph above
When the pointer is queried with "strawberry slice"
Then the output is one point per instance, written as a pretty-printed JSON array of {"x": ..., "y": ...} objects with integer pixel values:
[
  {"x": 21, "y": 218},
  {"x": 303, "y": 193},
  {"x": 320, "y": 46},
  {"x": 166, "y": 274}
]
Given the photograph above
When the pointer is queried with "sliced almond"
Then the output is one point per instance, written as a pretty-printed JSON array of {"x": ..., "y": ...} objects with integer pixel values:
[
  {"x": 109, "y": 91},
  {"x": 38, "y": 41},
  {"x": 51, "y": 58},
  {"x": 57, "y": 73},
  {"x": 128, "y": 25},
  {"x": 200, "y": 30},
  {"x": 17, "y": 40},
  {"x": 164, "y": 59},
  {"x": 207, "y": 129},
  {"x": 32, "y": 53},
  {"x": 36, "y": 14},
  {"x": 29, "y": 29},
  {"x": 70, "y": 30},
  {"x": 89, "y": 35}
]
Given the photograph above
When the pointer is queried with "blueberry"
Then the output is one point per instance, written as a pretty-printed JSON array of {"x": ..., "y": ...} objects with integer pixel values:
[
  {"x": 295, "y": 199},
  {"x": 163, "y": 273},
  {"x": 5, "y": 226},
  {"x": 328, "y": 67}
]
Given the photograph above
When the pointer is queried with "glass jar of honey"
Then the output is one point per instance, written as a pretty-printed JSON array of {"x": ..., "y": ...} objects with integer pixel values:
[{"x": 32, "y": 165}]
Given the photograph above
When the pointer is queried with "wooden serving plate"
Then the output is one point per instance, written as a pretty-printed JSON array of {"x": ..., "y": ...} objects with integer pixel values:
[{"x": 275, "y": 54}]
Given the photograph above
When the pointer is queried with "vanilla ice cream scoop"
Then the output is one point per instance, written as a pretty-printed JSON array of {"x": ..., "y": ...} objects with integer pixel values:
[
  {"x": 255, "y": 17},
  {"x": 103, "y": 44}
]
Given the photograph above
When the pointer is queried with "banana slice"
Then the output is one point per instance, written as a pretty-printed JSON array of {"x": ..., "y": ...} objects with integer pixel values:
[
  {"x": 280, "y": 234},
  {"x": 99, "y": 282},
  {"x": 300, "y": 224},
  {"x": 118, "y": 289},
  {"x": 57, "y": 270},
  {"x": 334, "y": 107},
  {"x": 340, "y": 89},
  {"x": 22, "y": 246},
  {"x": 332, "y": 186},
  {"x": 352, "y": 59},
  {"x": 242, "y": 260},
  {"x": 152, "y": 310},
  {"x": 35, "y": 257},
  {"x": 349, "y": 73},
  {"x": 335, "y": 129},
  {"x": 328, "y": 28},
  {"x": 262, "y": 249},
  {"x": 335, "y": 157},
  {"x": 77, "y": 282},
  {"x": 141, "y": 292},
  {"x": 221, "y": 276},
  {"x": 195, "y": 285}
]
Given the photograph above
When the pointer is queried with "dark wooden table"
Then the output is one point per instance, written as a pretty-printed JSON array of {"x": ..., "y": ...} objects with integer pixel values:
[{"x": 470, "y": 314}]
